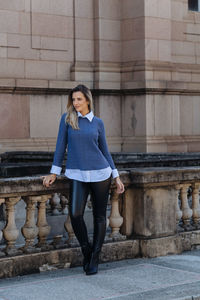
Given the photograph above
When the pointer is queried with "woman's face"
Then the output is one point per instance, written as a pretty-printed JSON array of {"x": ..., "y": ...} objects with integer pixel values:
[{"x": 80, "y": 103}]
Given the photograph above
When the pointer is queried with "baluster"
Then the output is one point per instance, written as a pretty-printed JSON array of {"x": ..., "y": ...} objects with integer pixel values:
[
  {"x": 115, "y": 220},
  {"x": 10, "y": 232},
  {"x": 196, "y": 205},
  {"x": 58, "y": 239},
  {"x": 186, "y": 210},
  {"x": 55, "y": 204},
  {"x": 42, "y": 224},
  {"x": 109, "y": 205},
  {"x": 178, "y": 210},
  {"x": 108, "y": 237},
  {"x": 64, "y": 202},
  {"x": 89, "y": 202},
  {"x": 2, "y": 200},
  {"x": 72, "y": 240},
  {"x": 30, "y": 230}
]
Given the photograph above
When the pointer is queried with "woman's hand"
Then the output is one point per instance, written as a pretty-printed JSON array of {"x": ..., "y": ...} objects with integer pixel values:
[
  {"x": 120, "y": 186},
  {"x": 49, "y": 179}
]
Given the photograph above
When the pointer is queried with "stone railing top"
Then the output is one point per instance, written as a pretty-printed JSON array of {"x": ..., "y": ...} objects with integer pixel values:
[
  {"x": 30, "y": 186},
  {"x": 23, "y": 186},
  {"x": 138, "y": 177},
  {"x": 164, "y": 175}
]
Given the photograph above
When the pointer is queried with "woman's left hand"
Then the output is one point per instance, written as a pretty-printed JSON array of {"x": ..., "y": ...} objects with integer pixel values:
[{"x": 120, "y": 186}]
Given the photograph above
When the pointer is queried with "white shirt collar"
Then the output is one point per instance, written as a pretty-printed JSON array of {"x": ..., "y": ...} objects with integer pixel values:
[{"x": 89, "y": 116}]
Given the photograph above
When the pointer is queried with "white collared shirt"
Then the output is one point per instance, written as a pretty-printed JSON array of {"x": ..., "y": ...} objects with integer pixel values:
[{"x": 89, "y": 116}]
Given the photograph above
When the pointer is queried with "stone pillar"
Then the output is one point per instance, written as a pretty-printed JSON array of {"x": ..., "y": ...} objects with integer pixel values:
[
  {"x": 30, "y": 230},
  {"x": 196, "y": 205},
  {"x": 186, "y": 210},
  {"x": 55, "y": 204},
  {"x": 128, "y": 207},
  {"x": 178, "y": 210},
  {"x": 72, "y": 240},
  {"x": 11, "y": 232},
  {"x": 115, "y": 219},
  {"x": 64, "y": 202},
  {"x": 154, "y": 212},
  {"x": 2, "y": 200},
  {"x": 42, "y": 224}
]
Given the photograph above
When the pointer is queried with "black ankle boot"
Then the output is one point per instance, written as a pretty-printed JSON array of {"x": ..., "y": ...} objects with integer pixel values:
[
  {"x": 93, "y": 265},
  {"x": 87, "y": 251}
]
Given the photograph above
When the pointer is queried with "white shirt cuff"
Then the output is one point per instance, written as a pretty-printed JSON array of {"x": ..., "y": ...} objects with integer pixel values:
[
  {"x": 55, "y": 170},
  {"x": 115, "y": 173}
]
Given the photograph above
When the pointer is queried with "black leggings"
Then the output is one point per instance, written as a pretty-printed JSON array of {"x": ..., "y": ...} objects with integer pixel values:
[{"x": 79, "y": 192}]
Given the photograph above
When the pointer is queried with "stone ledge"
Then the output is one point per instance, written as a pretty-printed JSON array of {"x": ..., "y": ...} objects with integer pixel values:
[
  {"x": 161, "y": 246},
  {"x": 143, "y": 177},
  {"x": 31, "y": 263},
  {"x": 164, "y": 176},
  {"x": 56, "y": 87},
  {"x": 185, "y": 241}
]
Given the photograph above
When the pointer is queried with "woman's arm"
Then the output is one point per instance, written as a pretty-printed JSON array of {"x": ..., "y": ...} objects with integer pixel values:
[
  {"x": 61, "y": 145},
  {"x": 104, "y": 149}
]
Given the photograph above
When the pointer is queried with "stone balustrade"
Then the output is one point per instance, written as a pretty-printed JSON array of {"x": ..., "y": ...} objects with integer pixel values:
[
  {"x": 158, "y": 214},
  {"x": 160, "y": 202},
  {"x": 36, "y": 228}
]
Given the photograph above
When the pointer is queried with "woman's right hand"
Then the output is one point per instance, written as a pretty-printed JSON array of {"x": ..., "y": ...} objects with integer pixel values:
[{"x": 49, "y": 179}]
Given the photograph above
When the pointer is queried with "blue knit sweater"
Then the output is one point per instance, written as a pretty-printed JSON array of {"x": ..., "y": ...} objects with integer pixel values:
[{"x": 86, "y": 148}]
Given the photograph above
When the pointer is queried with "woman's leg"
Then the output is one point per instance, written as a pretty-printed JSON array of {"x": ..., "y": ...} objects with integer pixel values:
[
  {"x": 77, "y": 200},
  {"x": 100, "y": 192},
  {"x": 78, "y": 197}
]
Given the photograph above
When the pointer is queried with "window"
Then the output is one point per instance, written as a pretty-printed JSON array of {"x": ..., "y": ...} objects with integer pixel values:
[{"x": 194, "y": 5}]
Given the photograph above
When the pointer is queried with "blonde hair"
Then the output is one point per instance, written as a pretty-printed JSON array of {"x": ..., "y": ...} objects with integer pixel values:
[{"x": 72, "y": 116}]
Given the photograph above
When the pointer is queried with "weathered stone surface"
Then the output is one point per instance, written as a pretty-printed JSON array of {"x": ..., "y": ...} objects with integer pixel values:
[
  {"x": 190, "y": 240},
  {"x": 157, "y": 28},
  {"x": 153, "y": 212},
  {"x": 13, "y": 24},
  {"x": 52, "y": 25},
  {"x": 14, "y": 123},
  {"x": 120, "y": 250},
  {"x": 30, "y": 263},
  {"x": 40, "y": 69},
  {"x": 161, "y": 246},
  {"x": 128, "y": 204},
  {"x": 42, "y": 112},
  {"x": 162, "y": 176},
  {"x": 11, "y": 68},
  {"x": 61, "y": 7}
]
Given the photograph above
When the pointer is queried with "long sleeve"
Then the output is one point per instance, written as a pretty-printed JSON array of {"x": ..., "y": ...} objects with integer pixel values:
[
  {"x": 104, "y": 149},
  {"x": 61, "y": 145}
]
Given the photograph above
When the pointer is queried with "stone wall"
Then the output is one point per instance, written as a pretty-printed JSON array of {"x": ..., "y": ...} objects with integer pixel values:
[{"x": 140, "y": 58}]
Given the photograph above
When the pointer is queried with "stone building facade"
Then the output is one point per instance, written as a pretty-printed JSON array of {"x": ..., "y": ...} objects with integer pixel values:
[{"x": 141, "y": 58}]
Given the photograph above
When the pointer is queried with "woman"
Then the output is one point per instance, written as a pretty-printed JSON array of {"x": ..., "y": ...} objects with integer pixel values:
[{"x": 89, "y": 167}]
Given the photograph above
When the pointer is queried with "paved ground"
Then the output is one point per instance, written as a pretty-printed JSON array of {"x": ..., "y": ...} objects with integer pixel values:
[{"x": 162, "y": 278}]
